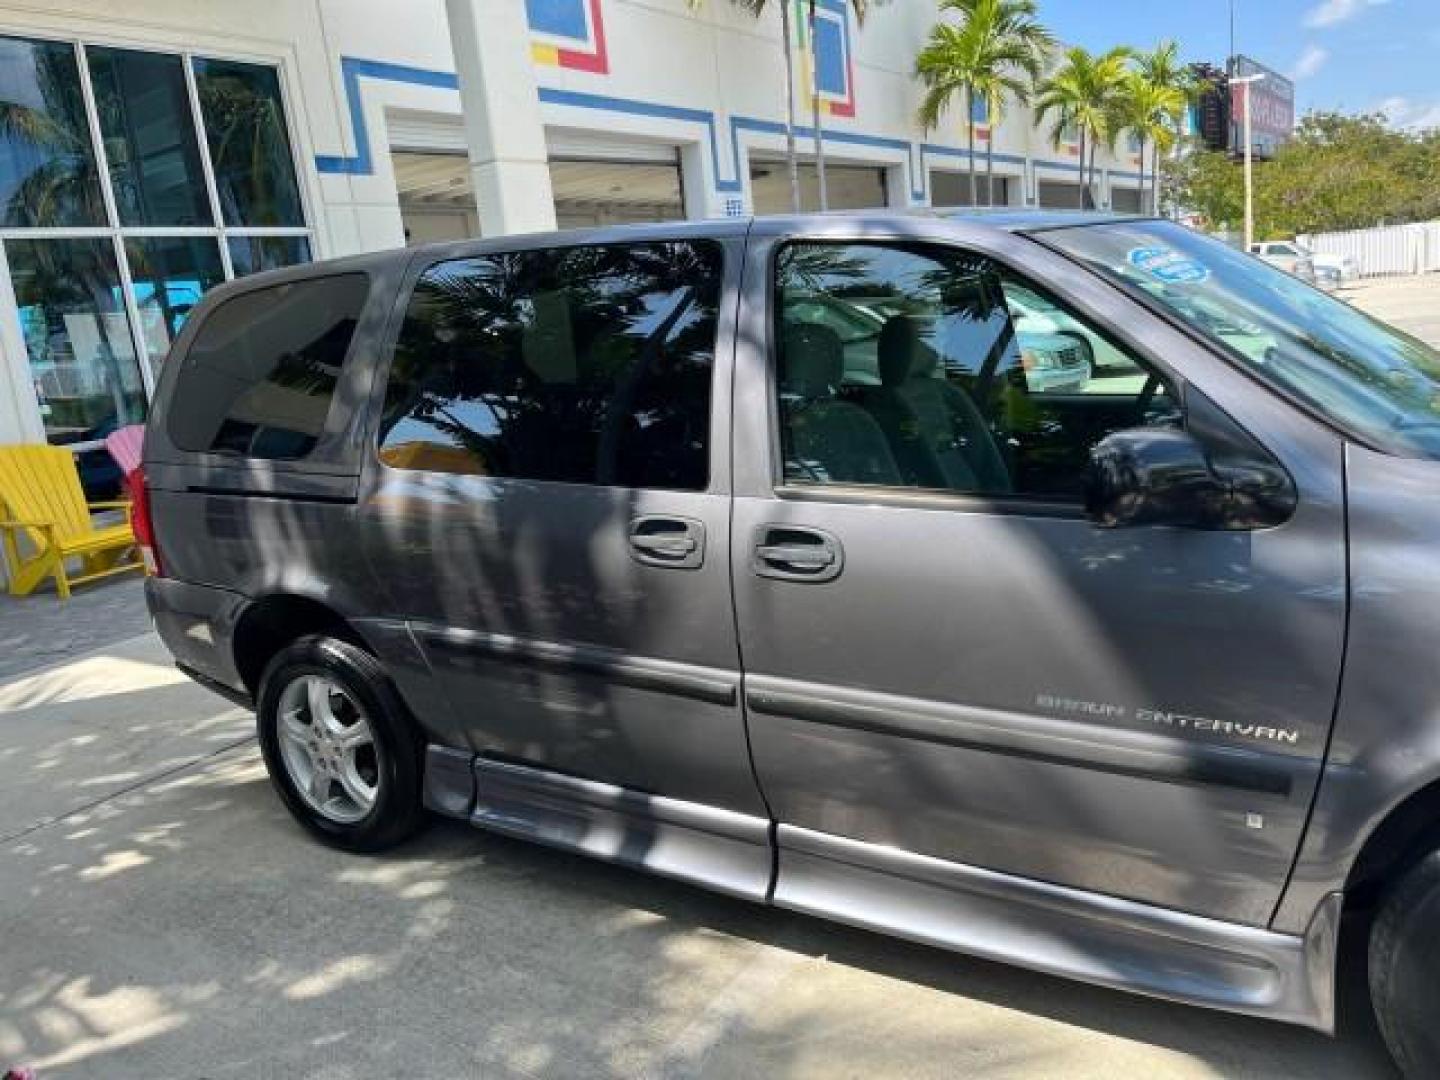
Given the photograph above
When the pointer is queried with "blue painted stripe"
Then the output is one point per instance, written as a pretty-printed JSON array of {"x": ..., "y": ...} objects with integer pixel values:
[
  {"x": 802, "y": 131},
  {"x": 961, "y": 152},
  {"x": 362, "y": 163},
  {"x": 579, "y": 100},
  {"x": 352, "y": 70}
]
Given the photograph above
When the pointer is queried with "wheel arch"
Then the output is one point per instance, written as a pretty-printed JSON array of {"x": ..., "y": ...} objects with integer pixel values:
[
  {"x": 1406, "y": 834},
  {"x": 271, "y": 622}
]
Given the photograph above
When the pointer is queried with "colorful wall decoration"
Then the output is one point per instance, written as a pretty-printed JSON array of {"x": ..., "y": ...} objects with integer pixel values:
[
  {"x": 826, "y": 65},
  {"x": 980, "y": 117},
  {"x": 568, "y": 34}
]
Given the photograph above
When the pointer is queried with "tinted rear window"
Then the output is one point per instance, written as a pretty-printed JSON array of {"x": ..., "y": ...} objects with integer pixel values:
[
  {"x": 587, "y": 365},
  {"x": 260, "y": 375}
]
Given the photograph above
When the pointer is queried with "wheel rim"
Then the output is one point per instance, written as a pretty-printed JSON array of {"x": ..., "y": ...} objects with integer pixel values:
[{"x": 328, "y": 748}]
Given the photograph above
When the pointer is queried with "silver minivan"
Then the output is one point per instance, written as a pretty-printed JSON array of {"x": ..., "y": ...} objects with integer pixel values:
[{"x": 620, "y": 542}]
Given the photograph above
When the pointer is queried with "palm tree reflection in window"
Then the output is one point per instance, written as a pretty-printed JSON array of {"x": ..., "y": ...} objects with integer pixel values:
[
  {"x": 47, "y": 165},
  {"x": 584, "y": 365}
]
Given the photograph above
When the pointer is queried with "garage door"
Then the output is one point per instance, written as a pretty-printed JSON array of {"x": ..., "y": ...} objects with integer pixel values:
[
  {"x": 1125, "y": 199},
  {"x": 1059, "y": 195},
  {"x": 847, "y": 187},
  {"x": 953, "y": 189},
  {"x": 597, "y": 179}
]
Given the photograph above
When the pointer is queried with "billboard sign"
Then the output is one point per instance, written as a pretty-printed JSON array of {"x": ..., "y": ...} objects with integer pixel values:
[{"x": 1272, "y": 108}]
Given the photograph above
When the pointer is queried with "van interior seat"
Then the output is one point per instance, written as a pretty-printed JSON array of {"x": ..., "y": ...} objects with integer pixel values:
[
  {"x": 945, "y": 421},
  {"x": 831, "y": 438}
]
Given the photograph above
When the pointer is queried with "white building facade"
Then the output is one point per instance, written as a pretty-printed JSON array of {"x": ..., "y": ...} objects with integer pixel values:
[{"x": 151, "y": 148}]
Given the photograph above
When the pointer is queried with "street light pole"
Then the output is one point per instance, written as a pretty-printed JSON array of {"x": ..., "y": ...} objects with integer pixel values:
[{"x": 1247, "y": 81}]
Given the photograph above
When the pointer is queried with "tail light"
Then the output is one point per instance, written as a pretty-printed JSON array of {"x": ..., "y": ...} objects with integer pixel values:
[{"x": 143, "y": 523}]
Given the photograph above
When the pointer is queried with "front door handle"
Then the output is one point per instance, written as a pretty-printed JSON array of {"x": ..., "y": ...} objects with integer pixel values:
[
  {"x": 677, "y": 542},
  {"x": 796, "y": 553},
  {"x": 800, "y": 556}
]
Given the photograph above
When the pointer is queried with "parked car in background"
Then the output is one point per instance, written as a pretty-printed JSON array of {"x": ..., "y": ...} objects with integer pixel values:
[
  {"x": 1051, "y": 358},
  {"x": 1329, "y": 270},
  {"x": 1037, "y": 314},
  {"x": 775, "y": 556}
]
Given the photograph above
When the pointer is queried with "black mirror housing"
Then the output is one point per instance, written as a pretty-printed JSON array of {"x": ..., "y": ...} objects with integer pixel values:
[{"x": 1166, "y": 476}]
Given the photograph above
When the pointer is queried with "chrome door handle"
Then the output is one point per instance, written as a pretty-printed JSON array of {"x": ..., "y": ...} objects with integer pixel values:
[
  {"x": 805, "y": 556},
  {"x": 796, "y": 553},
  {"x": 660, "y": 540},
  {"x": 663, "y": 544}
]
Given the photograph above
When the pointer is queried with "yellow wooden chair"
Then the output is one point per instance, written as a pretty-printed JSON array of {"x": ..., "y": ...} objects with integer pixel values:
[{"x": 41, "y": 499}]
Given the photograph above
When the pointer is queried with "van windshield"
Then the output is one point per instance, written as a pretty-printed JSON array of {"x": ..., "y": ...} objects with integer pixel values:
[{"x": 1368, "y": 378}]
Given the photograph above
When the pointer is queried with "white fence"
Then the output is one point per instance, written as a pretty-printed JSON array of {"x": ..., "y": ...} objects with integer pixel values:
[{"x": 1393, "y": 249}]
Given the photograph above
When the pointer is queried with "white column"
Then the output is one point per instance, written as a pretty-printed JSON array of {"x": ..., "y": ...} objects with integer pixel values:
[
  {"x": 897, "y": 185},
  {"x": 17, "y": 423},
  {"x": 500, "y": 100},
  {"x": 20, "y": 420},
  {"x": 697, "y": 183}
]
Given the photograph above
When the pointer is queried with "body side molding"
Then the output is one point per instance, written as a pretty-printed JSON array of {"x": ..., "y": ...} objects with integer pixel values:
[
  {"x": 1064, "y": 931},
  {"x": 713, "y": 685},
  {"x": 720, "y": 849},
  {"x": 1123, "y": 751},
  {"x": 1052, "y": 928}
]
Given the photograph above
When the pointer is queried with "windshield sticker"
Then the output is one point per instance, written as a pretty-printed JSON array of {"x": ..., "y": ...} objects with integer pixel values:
[{"x": 1168, "y": 265}]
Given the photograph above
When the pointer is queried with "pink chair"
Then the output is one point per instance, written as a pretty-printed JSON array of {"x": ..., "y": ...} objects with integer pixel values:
[{"x": 125, "y": 446}]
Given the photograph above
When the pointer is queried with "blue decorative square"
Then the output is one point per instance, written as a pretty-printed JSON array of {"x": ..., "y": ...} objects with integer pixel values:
[
  {"x": 560, "y": 18},
  {"x": 830, "y": 57}
]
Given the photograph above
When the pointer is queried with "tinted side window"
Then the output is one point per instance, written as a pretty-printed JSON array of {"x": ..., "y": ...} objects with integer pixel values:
[
  {"x": 260, "y": 375},
  {"x": 927, "y": 367},
  {"x": 589, "y": 365}
]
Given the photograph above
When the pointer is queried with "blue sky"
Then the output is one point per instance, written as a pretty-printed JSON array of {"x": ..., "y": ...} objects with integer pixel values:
[{"x": 1350, "y": 54}]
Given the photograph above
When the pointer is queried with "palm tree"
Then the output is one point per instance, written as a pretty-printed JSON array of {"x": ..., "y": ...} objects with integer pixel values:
[
  {"x": 1083, "y": 94},
  {"x": 757, "y": 8},
  {"x": 1162, "y": 68},
  {"x": 1146, "y": 109},
  {"x": 997, "y": 49}
]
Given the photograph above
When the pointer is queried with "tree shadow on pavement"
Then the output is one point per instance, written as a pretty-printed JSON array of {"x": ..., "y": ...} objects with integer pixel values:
[{"x": 192, "y": 929}]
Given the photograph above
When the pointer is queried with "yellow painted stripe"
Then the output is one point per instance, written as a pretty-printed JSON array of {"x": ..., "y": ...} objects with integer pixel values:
[{"x": 545, "y": 54}]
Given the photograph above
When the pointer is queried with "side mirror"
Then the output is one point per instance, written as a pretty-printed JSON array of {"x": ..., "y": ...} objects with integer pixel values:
[{"x": 1166, "y": 476}]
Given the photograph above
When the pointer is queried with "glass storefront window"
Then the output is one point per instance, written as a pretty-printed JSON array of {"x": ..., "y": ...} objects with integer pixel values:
[
  {"x": 72, "y": 317},
  {"x": 181, "y": 141},
  {"x": 47, "y": 162},
  {"x": 251, "y": 254},
  {"x": 169, "y": 274},
  {"x": 249, "y": 148},
  {"x": 149, "y": 132}
]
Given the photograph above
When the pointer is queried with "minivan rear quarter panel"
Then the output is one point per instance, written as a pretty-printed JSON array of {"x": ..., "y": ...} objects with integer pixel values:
[{"x": 250, "y": 528}]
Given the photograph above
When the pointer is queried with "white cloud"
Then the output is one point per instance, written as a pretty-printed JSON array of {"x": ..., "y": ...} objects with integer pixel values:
[
  {"x": 1311, "y": 61},
  {"x": 1402, "y": 112},
  {"x": 1334, "y": 12}
]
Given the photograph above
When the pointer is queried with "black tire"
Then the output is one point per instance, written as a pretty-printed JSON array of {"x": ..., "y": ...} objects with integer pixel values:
[
  {"x": 396, "y": 761},
  {"x": 1405, "y": 969}
]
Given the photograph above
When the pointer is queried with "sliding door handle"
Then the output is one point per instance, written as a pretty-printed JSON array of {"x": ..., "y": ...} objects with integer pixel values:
[
  {"x": 796, "y": 553},
  {"x": 676, "y": 542}
]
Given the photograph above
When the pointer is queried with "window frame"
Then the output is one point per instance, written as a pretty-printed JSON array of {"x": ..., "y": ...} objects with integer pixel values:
[
  {"x": 112, "y": 230},
  {"x": 321, "y": 457},
  {"x": 728, "y": 239},
  {"x": 915, "y": 497}
]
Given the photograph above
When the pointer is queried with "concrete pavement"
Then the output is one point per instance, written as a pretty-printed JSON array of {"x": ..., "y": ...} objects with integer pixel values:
[
  {"x": 39, "y": 629},
  {"x": 161, "y": 916},
  {"x": 1411, "y": 303}
]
